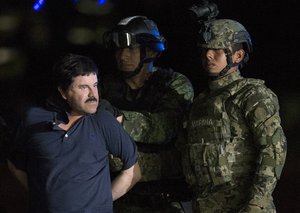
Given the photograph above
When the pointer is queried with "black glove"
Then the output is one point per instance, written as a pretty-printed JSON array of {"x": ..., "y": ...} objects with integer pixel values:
[{"x": 105, "y": 105}]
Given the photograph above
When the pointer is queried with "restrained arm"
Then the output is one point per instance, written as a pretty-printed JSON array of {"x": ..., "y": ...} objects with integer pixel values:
[{"x": 125, "y": 181}]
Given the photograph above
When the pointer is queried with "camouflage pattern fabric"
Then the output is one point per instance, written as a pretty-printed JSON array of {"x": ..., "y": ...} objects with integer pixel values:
[
  {"x": 152, "y": 117},
  {"x": 228, "y": 201},
  {"x": 236, "y": 147},
  {"x": 154, "y": 166},
  {"x": 225, "y": 33},
  {"x": 153, "y": 113}
]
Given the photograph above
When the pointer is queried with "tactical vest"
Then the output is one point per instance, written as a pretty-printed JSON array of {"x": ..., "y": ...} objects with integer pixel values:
[{"x": 220, "y": 150}]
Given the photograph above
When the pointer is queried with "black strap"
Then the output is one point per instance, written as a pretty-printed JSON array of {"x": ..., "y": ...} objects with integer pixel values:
[{"x": 229, "y": 65}]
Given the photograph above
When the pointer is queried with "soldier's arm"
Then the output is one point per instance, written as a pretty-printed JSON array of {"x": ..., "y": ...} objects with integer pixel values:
[
  {"x": 263, "y": 117},
  {"x": 160, "y": 126}
]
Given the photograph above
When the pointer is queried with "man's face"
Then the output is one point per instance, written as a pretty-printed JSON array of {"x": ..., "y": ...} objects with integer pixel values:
[
  {"x": 213, "y": 61},
  {"x": 82, "y": 95},
  {"x": 128, "y": 58}
]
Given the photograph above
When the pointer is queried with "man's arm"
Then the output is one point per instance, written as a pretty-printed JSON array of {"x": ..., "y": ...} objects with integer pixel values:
[
  {"x": 161, "y": 124},
  {"x": 157, "y": 129},
  {"x": 120, "y": 144},
  {"x": 271, "y": 142},
  {"x": 125, "y": 181}
]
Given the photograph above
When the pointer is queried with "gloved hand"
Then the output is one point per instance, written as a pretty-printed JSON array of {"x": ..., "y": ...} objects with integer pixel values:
[{"x": 106, "y": 105}]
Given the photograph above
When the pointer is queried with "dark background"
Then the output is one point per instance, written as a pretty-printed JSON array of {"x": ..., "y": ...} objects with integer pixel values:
[{"x": 30, "y": 42}]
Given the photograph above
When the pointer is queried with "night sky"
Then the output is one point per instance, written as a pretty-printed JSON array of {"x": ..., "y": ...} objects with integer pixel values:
[{"x": 40, "y": 38}]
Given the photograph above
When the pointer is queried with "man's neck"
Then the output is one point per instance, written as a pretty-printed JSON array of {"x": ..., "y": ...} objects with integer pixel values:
[
  {"x": 138, "y": 81},
  {"x": 72, "y": 121}
]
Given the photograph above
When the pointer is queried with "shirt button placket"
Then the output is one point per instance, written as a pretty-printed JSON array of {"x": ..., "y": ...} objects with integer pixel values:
[{"x": 66, "y": 137}]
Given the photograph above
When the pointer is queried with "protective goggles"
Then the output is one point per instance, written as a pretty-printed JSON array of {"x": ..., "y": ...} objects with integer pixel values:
[{"x": 120, "y": 40}]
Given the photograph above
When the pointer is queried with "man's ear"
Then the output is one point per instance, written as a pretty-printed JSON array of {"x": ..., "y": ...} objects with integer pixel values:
[
  {"x": 62, "y": 93},
  {"x": 239, "y": 56}
]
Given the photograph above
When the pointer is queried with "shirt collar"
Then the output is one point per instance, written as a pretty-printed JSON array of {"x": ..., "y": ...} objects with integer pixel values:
[{"x": 224, "y": 81}]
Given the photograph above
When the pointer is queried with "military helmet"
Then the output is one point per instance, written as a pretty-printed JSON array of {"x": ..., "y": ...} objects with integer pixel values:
[
  {"x": 135, "y": 31},
  {"x": 224, "y": 33}
]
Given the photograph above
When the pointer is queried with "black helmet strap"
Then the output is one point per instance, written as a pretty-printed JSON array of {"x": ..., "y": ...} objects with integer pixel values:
[{"x": 229, "y": 65}]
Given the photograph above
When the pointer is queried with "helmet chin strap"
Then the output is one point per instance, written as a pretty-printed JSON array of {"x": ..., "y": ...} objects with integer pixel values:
[{"x": 141, "y": 64}]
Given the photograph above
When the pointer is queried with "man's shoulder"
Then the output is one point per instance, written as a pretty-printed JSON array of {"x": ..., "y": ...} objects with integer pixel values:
[
  {"x": 102, "y": 114},
  {"x": 103, "y": 118},
  {"x": 247, "y": 86},
  {"x": 175, "y": 81},
  {"x": 31, "y": 115},
  {"x": 255, "y": 86},
  {"x": 170, "y": 76},
  {"x": 255, "y": 91},
  {"x": 167, "y": 73}
]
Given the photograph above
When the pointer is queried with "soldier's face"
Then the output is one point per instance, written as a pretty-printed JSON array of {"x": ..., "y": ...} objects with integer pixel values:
[
  {"x": 128, "y": 58},
  {"x": 213, "y": 61}
]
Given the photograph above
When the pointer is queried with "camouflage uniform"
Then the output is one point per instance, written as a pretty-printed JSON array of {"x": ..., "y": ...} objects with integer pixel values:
[
  {"x": 153, "y": 115},
  {"x": 236, "y": 147}
]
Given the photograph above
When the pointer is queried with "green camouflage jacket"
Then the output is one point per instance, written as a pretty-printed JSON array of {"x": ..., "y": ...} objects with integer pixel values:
[
  {"x": 235, "y": 141},
  {"x": 152, "y": 117}
]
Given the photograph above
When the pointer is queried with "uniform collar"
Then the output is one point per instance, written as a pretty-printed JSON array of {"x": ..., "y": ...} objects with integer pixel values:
[{"x": 224, "y": 81}]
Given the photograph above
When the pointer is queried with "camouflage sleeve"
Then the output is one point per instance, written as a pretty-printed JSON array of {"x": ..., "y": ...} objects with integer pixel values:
[
  {"x": 262, "y": 113},
  {"x": 154, "y": 166},
  {"x": 159, "y": 127}
]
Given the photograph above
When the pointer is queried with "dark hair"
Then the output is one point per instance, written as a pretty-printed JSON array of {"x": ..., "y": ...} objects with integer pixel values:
[
  {"x": 238, "y": 46},
  {"x": 71, "y": 66}
]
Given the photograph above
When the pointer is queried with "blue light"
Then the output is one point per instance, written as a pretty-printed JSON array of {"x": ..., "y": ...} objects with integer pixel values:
[
  {"x": 101, "y": 2},
  {"x": 38, "y": 5},
  {"x": 160, "y": 47}
]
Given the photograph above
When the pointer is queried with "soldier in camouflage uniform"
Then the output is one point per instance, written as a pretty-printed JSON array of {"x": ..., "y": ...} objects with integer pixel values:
[
  {"x": 236, "y": 147},
  {"x": 153, "y": 102}
]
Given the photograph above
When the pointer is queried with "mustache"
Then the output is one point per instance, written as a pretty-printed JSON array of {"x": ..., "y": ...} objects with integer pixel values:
[{"x": 91, "y": 99}]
